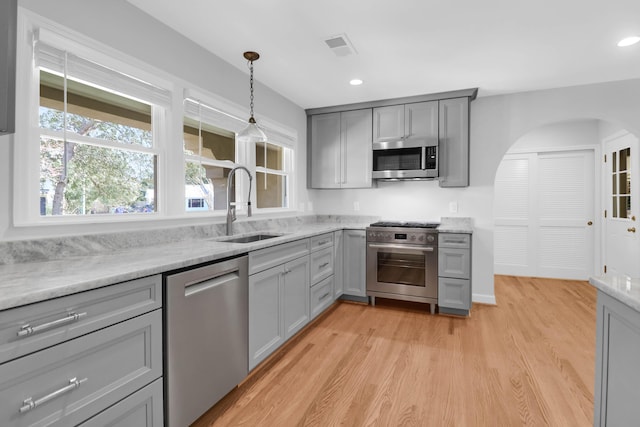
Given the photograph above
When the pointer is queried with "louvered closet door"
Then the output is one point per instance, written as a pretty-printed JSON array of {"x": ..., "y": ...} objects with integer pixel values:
[
  {"x": 512, "y": 244},
  {"x": 565, "y": 207},
  {"x": 543, "y": 204}
]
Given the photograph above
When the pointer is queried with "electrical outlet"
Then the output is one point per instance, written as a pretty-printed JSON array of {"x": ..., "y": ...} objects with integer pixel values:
[
  {"x": 356, "y": 206},
  {"x": 453, "y": 207},
  {"x": 301, "y": 207},
  {"x": 310, "y": 206}
]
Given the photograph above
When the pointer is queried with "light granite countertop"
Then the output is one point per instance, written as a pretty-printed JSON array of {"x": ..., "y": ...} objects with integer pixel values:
[
  {"x": 621, "y": 287},
  {"x": 30, "y": 282},
  {"x": 34, "y": 271}
]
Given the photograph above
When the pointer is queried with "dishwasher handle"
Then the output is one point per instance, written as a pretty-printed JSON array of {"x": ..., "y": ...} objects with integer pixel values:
[{"x": 200, "y": 286}]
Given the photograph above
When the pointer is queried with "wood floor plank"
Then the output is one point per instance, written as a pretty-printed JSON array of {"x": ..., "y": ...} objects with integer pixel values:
[{"x": 527, "y": 361}]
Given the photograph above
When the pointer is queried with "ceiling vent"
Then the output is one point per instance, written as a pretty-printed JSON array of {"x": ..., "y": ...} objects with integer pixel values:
[{"x": 340, "y": 45}]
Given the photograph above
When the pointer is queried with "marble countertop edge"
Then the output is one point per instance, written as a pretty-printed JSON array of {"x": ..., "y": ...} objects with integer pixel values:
[{"x": 621, "y": 287}]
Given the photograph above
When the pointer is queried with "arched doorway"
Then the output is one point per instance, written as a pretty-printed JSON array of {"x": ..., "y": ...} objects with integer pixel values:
[{"x": 548, "y": 202}]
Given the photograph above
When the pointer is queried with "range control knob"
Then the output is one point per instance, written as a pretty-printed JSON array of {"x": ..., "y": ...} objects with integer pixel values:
[
  {"x": 430, "y": 238},
  {"x": 412, "y": 237},
  {"x": 421, "y": 238}
]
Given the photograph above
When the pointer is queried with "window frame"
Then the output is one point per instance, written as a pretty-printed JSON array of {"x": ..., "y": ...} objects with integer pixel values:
[
  {"x": 167, "y": 131},
  {"x": 287, "y": 171}
]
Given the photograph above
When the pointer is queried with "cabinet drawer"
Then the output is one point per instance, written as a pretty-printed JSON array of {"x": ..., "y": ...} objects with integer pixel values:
[
  {"x": 72, "y": 381},
  {"x": 454, "y": 240},
  {"x": 321, "y": 265},
  {"x": 269, "y": 257},
  {"x": 454, "y": 293},
  {"x": 62, "y": 319},
  {"x": 321, "y": 241},
  {"x": 321, "y": 296},
  {"x": 142, "y": 409},
  {"x": 454, "y": 262}
]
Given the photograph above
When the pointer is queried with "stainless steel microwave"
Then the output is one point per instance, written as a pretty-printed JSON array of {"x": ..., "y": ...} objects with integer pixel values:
[{"x": 397, "y": 161}]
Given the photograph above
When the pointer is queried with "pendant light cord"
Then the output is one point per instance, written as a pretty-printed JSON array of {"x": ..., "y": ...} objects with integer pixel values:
[{"x": 251, "y": 119}]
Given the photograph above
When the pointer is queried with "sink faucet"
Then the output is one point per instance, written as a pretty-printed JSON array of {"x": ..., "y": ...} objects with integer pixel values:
[{"x": 231, "y": 206}]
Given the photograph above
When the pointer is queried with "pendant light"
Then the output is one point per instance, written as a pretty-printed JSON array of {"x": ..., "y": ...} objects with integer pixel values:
[{"x": 252, "y": 133}]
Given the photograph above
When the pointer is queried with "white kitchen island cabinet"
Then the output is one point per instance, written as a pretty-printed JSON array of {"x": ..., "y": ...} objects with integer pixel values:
[
  {"x": 278, "y": 297},
  {"x": 341, "y": 149},
  {"x": 354, "y": 265}
]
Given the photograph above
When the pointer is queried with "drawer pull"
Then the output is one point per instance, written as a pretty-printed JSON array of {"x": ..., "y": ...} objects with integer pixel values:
[
  {"x": 324, "y": 296},
  {"x": 30, "y": 404},
  {"x": 320, "y": 267},
  {"x": 324, "y": 242},
  {"x": 27, "y": 329}
]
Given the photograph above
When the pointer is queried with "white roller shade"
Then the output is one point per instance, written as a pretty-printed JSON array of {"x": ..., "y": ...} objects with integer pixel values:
[{"x": 53, "y": 58}]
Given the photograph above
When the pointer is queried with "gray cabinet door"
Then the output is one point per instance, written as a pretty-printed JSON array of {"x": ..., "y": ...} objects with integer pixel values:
[
  {"x": 357, "y": 150},
  {"x": 338, "y": 251},
  {"x": 454, "y": 262},
  {"x": 265, "y": 311},
  {"x": 454, "y": 142},
  {"x": 454, "y": 293},
  {"x": 421, "y": 123},
  {"x": 388, "y": 124},
  {"x": 296, "y": 296},
  {"x": 325, "y": 151},
  {"x": 354, "y": 263}
]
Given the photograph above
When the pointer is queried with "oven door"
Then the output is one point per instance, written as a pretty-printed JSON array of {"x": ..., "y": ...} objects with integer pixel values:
[{"x": 402, "y": 269}]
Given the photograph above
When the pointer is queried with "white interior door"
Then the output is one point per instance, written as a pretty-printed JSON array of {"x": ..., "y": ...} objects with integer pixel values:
[
  {"x": 622, "y": 248},
  {"x": 544, "y": 207}
]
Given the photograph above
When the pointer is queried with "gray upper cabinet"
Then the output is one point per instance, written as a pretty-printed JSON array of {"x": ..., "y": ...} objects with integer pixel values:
[
  {"x": 411, "y": 124},
  {"x": 8, "y": 28},
  {"x": 341, "y": 149},
  {"x": 454, "y": 142}
]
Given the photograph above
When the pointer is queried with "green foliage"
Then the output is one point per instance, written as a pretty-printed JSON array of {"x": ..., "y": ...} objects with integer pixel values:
[{"x": 96, "y": 179}]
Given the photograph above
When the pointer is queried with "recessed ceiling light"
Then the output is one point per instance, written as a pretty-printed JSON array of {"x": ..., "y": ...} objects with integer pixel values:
[
  {"x": 629, "y": 41},
  {"x": 355, "y": 82}
]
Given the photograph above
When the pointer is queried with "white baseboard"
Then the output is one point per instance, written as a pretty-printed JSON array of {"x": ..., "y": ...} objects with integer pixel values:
[{"x": 484, "y": 299}]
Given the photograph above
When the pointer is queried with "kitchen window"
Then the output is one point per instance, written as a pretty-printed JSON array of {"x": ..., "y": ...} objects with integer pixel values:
[
  {"x": 210, "y": 152},
  {"x": 97, "y": 136},
  {"x": 102, "y": 137},
  {"x": 273, "y": 166}
]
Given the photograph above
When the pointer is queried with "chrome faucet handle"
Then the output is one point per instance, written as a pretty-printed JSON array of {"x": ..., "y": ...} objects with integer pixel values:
[{"x": 249, "y": 208}]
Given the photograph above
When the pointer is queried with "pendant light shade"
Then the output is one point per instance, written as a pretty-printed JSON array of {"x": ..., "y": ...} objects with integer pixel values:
[{"x": 252, "y": 133}]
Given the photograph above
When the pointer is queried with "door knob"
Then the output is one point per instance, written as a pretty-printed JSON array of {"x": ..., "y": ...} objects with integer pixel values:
[
  {"x": 590, "y": 223},
  {"x": 631, "y": 230}
]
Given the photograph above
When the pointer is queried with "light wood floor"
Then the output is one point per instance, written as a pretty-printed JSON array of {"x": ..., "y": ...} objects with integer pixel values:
[{"x": 528, "y": 361}]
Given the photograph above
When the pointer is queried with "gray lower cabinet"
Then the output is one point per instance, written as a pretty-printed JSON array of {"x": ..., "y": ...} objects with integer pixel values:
[
  {"x": 322, "y": 273},
  {"x": 617, "y": 372},
  {"x": 354, "y": 267},
  {"x": 278, "y": 298},
  {"x": 338, "y": 261},
  {"x": 454, "y": 273},
  {"x": 68, "y": 383},
  {"x": 67, "y": 360},
  {"x": 144, "y": 408},
  {"x": 453, "y": 145}
]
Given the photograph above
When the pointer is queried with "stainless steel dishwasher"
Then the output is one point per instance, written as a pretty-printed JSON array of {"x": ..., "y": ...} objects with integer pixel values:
[{"x": 206, "y": 337}]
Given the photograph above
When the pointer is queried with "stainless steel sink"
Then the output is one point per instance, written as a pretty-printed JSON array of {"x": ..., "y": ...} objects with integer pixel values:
[{"x": 250, "y": 238}]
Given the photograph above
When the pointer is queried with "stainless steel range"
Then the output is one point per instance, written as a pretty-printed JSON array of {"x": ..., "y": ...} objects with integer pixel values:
[{"x": 402, "y": 261}]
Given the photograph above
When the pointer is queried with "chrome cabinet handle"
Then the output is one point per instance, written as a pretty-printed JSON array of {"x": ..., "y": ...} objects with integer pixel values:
[
  {"x": 27, "y": 329},
  {"x": 320, "y": 267},
  {"x": 29, "y": 404},
  {"x": 324, "y": 296}
]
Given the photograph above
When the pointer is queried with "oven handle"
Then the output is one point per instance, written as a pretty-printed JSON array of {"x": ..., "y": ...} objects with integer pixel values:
[{"x": 407, "y": 247}]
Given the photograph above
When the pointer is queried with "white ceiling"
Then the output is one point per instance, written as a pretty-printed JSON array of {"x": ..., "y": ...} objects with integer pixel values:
[{"x": 413, "y": 47}]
